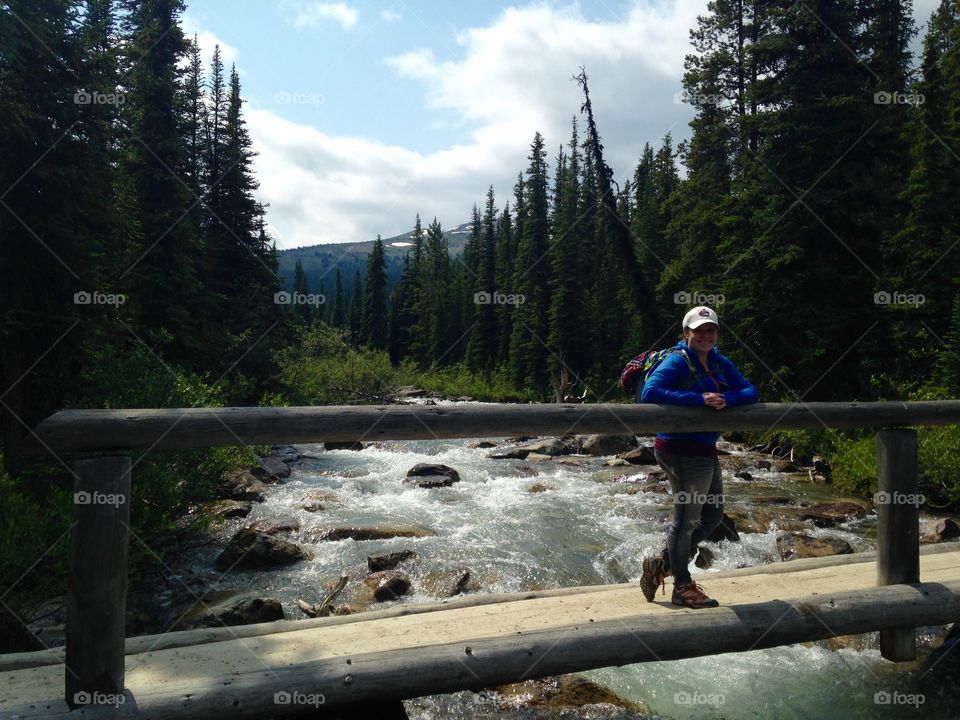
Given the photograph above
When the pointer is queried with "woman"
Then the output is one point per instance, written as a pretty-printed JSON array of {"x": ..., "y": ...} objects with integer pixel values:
[{"x": 696, "y": 374}]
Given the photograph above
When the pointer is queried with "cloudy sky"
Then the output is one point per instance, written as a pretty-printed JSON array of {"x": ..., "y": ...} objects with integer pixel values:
[{"x": 366, "y": 112}]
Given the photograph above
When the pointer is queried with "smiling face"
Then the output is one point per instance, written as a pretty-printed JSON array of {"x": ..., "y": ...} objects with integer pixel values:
[{"x": 702, "y": 338}]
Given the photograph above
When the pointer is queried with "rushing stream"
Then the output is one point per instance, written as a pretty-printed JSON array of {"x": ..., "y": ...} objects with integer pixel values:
[{"x": 585, "y": 524}]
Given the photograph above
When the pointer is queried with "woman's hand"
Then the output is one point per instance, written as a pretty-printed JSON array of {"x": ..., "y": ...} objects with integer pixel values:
[{"x": 714, "y": 400}]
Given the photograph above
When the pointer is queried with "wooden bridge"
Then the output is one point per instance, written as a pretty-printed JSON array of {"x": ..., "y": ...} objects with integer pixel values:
[{"x": 472, "y": 642}]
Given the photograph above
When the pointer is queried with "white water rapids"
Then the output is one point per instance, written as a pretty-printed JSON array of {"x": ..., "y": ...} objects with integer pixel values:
[{"x": 590, "y": 526}]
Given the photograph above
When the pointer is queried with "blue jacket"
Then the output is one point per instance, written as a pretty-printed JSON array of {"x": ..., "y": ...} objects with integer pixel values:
[{"x": 661, "y": 387}]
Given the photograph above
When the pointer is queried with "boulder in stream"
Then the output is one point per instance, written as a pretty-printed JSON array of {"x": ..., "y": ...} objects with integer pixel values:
[
  {"x": 251, "y": 549},
  {"x": 642, "y": 455},
  {"x": 230, "y": 509},
  {"x": 243, "y": 609},
  {"x": 939, "y": 530},
  {"x": 377, "y": 532},
  {"x": 376, "y": 563},
  {"x": 609, "y": 444},
  {"x": 431, "y": 475},
  {"x": 387, "y": 585},
  {"x": 240, "y": 484},
  {"x": 792, "y": 546},
  {"x": 828, "y": 514}
]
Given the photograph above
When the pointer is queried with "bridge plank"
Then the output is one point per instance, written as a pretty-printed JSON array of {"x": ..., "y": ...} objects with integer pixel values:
[{"x": 398, "y": 657}]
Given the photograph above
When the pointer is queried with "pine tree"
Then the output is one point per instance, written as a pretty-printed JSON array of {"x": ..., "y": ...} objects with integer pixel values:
[
  {"x": 482, "y": 346},
  {"x": 567, "y": 335},
  {"x": 163, "y": 276},
  {"x": 300, "y": 290},
  {"x": 339, "y": 315},
  {"x": 373, "y": 324},
  {"x": 356, "y": 304},
  {"x": 445, "y": 346},
  {"x": 528, "y": 349}
]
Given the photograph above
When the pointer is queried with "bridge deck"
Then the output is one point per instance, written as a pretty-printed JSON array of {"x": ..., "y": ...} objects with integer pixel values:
[{"x": 448, "y": 648}]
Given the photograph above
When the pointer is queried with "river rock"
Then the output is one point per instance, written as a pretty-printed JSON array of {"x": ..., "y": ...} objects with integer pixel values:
[
  {"x": 547, "y": 446},
  {"x": 642, "y": 455},
  {"x": 275, "y": 526},
  {"x": 343, "y": 445},
  {"x": 317, "y": 500},
  {"x": 705, "y": 558},
  {"x": 245, "y": 609},
  {"x": 743, "y": 475},
  {"x": 537, "y": 488},
  {"x": 617, "y": 462},
  {"x": 230, "y": 509},
  {"x": 369, "y": 533},
  {"x": 251, "y": 549},
  {"x": 762, "y": 464},
  {"x": 726, "y": 530},
  {"x": 939, "y": 530},
  {"x": 387, "y": 585},
  {"x": 787, "y": 466},
  {"x": 792, "y": 546},
  {"x": 828, "y": 514},
  {"x": 408, "y": 391},
  {"x": 565, "y": 696},
  {"x": 771, "y": 500},
  {"x": 431, "y": 475},
  {"x": 446, "y": 583},
  {"x": 274, "y": 467},
  {"x": 509, "y": 454},
  {"x": 482, "y": 445},
  {"x": 286, "y": 453},
  {"x": 526, "y": 471},
  {"x": 376, "y": 563},
  {"x": 240, "y": 484},
  {"x": 538, "y": 457},
  {"x": 609, "y": 444}
]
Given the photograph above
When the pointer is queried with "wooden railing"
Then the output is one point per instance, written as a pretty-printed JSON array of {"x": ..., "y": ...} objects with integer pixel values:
[{"x": 98, "y": 561}]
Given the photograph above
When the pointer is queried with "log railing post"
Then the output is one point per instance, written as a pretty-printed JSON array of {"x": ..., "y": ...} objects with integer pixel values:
[
  {"x": 898, "y": 528},
  {"x": 97, "y": 581}
]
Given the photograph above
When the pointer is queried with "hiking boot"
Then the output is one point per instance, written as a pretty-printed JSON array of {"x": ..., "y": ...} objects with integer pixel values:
[
  {"x": 691, "y": 595},
  {"x": 654, "y": 573}
]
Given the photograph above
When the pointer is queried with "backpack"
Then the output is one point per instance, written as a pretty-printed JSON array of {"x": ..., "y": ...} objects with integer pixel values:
[{"x": 637, "y": 370}]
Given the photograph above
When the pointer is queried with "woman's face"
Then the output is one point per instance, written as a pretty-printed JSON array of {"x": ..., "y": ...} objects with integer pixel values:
[{"x": 702, "y": 338}]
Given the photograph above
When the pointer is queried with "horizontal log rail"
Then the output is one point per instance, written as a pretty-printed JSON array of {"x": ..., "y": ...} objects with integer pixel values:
[{"x": 174, "y": 428}]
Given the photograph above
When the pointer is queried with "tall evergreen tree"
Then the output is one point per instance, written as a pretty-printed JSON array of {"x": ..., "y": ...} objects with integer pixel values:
[
  {"x": 528, "y": 349},
  {"x": 356, "y": 305},
  {"x": 482, "y": 346},
  {"x": 163, "y": 274},
  {"x": 568, "y": 335},
  {"x": 338, "y": 316},
  {"x": 373, "y": 323}
]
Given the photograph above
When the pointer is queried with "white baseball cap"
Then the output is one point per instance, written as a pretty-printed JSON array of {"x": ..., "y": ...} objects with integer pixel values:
[{"x": 698, "y": 316}]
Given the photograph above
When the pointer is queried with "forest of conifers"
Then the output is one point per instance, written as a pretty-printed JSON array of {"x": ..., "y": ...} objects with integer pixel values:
[{"x": 815, "y": 205}]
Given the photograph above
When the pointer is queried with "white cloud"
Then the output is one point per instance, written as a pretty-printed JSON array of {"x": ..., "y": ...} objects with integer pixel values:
[
  {"x": 315, "y": 14},
  {"x": 504, "y": 82},
  {"x": 390, "y": 15}
]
